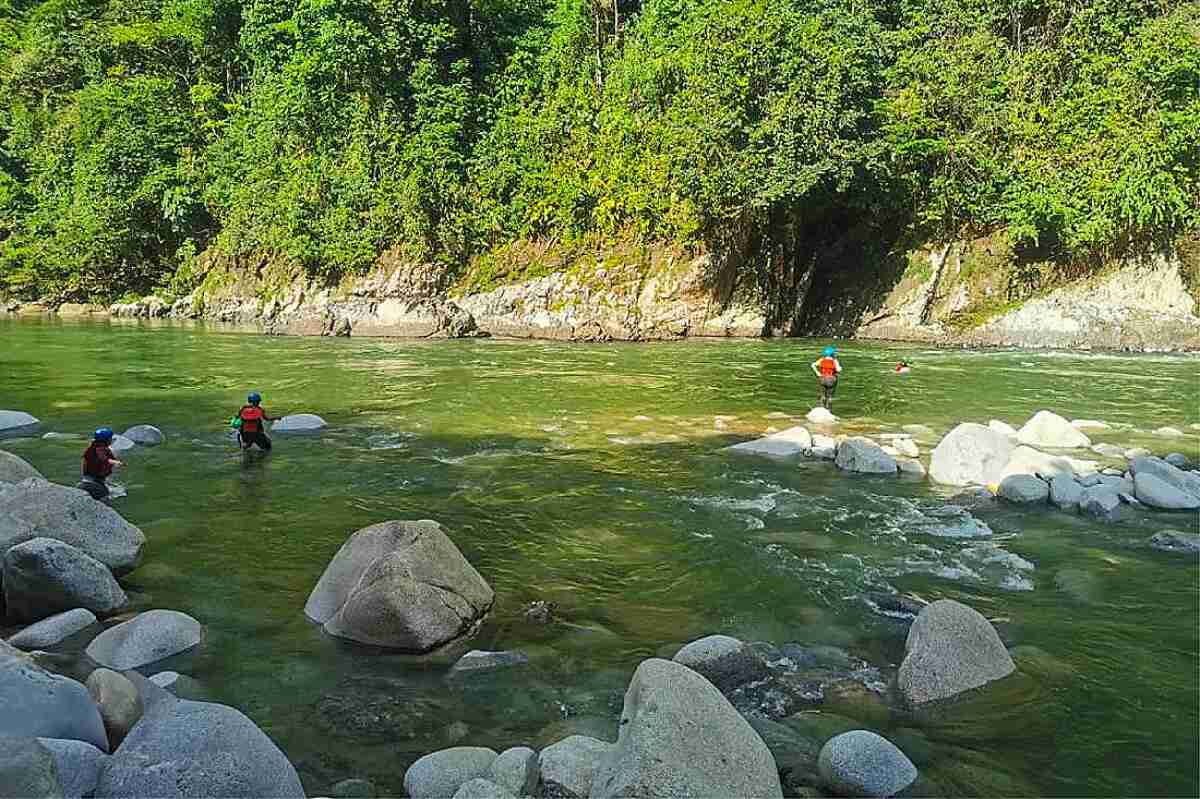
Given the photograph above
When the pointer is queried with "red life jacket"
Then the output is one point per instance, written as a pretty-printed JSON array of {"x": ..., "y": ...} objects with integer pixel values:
[
  {"x": 97, "y": 461},
  {"x": 827, "y": 367},
  {"x": 252, "y": 418}
]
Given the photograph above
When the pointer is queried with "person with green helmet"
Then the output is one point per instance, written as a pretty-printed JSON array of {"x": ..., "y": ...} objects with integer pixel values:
[
  {"x": 827, "y": 369},
  {"x": 250, "y": 423}
]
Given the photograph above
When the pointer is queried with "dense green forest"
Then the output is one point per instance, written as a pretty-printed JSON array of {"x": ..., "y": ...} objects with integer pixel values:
[{"x": 136, "y": 135}]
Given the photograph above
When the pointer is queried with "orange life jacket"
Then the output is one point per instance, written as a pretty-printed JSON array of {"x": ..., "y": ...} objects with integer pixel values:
[{"x": 827, "y": 367}]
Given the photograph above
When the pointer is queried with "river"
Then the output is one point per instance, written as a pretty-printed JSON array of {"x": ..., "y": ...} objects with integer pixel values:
[{"x": 593, "y": 476}]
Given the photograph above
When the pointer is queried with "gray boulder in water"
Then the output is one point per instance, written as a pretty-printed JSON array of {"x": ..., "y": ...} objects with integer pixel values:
[
  {"x": 865, "y": 456},
  {"x": 1065, "y": 492},
  {"x": 120, "y": 444},
  {"x": 1101, "y": 502},
  {"x": 298, "y": 423},
  {"x": 950, "y": 648},
  {"x": 1175, "y": 541},
  {"x": 680, "y": 737},
  {"x": 725, "y": 661},
  {"x": 440, "y": 774},
  {"x": 480, "y": 788},
  {"x": 516, "y": 771},
  {"x": 861, "y": 763},
  {"x": 145, "y": 434},
  {"x": 403, "y": 585},
  {"x": 78, "y": 765},
  {"x": 146, "y": 638},
  {"x": 478, "y": 661},
  {"x": 44, "y": 576},
  {"x": 970, "y": 454},
  {"x": 27, "y": 769},
  {"x": 1187, "y": 482},
  {"x": 569, "y": 766},
  {"x": 53, "y": 630},
  {"x": 1176, "y": 459},
  {"x": 1158, "y": 493},
  {"x": 1024, "y": 489},
  {"x": 39, "y": 704},
  {"x": 15, "y": 423},
  {"x": 793, "y": 441},
  {"x": 196, "y": 749},
  {"x": 1047, "y": 429},
  {"x": 39, "y": 509},
  {"x": 14, "y": 469}
]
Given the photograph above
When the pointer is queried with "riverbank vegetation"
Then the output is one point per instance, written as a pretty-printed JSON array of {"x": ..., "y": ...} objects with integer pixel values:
[{"x": 136, "y": 136}]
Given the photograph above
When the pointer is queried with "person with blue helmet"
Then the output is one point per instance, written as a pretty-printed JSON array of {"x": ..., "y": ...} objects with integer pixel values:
[
  {"x": 250, "y": 423},
  {"x": 827, "y": 369},
  {"x": 98, "y": 464}
]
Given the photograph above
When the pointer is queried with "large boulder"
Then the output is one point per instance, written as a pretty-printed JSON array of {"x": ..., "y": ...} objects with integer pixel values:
[
  {"x": 14, "y": 469},
  {"x": 865, "y": 456},
  {"x": 1152, "y": 490},
  {"x": 78, "y": 765},
  {"x": 725, "y": 661},
  {"x": 299, "y": 423},
  {"x": 821, "y": 416},
  {"x": 680, "y": 737},
  {"x": 1023, "y": 489},
  {"x": 16, "y": 423},
  {"x": 950, "y": 648},
  {"x": 907, "y": 447},
  {"x": 1003, "y": 428},
  {"x": 44, "y": 576},
  {"x": 480, "y": 788},
  {"x": 39, "y": 509},
  {"x": 120, "y": 444},
  {"x": 824, "y": 447},
  {"x": 146, "y": 638},
  {"x": 145, "y": 434},
  {"x": 403, "y": 585},
  {"x": 861, "y": 763},
  {"x": 1187, "y": 482},
  {"x": 119, "y": 702},
  {"x": 1027, "y": 460},
  {"x": 970, "y": 454},
  {"x": 28, "y": 770},
  {"x": 1048, "y": 429},
  {"x": 39, "y": 704},
  {"x": 516, "y": 771},
  {"x": 793, "y": 441},
  {"x": 568, "y": 768},
  {"x": 196, "y": 749},
  {"x": 1065, "y": 492},
  {"x": 53, "y": 630},
  {"x": 1176, "y": 541},
  {"x": 1100, "y": 502},
  {"x": 439, "y": 774}
]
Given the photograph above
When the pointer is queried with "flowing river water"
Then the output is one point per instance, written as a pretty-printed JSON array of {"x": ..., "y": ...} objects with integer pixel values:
[{"x": 594, "y": 477}]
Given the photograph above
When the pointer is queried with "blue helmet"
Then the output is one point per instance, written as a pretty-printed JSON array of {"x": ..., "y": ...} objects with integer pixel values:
[
  {"x": 104, "y": 434},
  {"x": 254, "y": 398},
  {"x": 830, "y": 352}
]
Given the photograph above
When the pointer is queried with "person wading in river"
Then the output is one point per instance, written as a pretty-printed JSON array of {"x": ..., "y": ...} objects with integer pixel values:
[
  {"x": 98, "y": 464},
  {"x": 251, "y": 423},
  {"x": 827, "y": 369}
]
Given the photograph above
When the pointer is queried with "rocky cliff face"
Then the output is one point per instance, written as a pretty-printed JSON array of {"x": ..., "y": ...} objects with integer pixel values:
[{"x": 965, "y": 293}]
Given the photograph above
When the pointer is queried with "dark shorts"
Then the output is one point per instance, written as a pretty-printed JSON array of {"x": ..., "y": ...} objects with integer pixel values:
[
  {"x": 96, "y": 486},
  {"x": 259, "y": 438},
  {"x": 829, "y": 382}
]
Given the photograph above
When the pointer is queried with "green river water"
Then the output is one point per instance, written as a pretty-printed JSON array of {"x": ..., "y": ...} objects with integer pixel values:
[{"x": 593, "y": 477}]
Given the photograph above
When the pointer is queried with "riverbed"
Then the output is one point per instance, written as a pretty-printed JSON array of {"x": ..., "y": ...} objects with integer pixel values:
[{"x": 593, "y": 477}]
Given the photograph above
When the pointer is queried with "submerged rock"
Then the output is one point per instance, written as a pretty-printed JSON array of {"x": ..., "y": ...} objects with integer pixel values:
[
  {"x": 861, "y": 763},
  {"x": 680, "y": 737},
  {"x": 725, "y": 661},
  {"x": 910, "y": 467},
  {"x": 146, "y": 435},
  {"x": 43, "y": 577},
  {"x": 1108, "y": 450},
  {"x": 403, "y": 585},
  {"x": 197, "y": 749},
  {"x": 1024, "y": 489},
  {"x": 39, "y": 509},
  {"x": 792, "y": 441},
  {"x": 1175, "y": 541},
  {"x": 950, "y": 648},
  {"x": 299, "y": 423},
  {"x": 16, "y": 423},
  {"x": 146, "y": 638},
  {"x": 1169, "y": 432},
  {"x": 1047, "y": 429},
  {"x": 478, "y": 661},
  {"x": 569, "y": 767},
  {"x": 918, "y": 430},
  {"x": 440, "y": 774},
  {"x": 1078, "y": 584},
  {"x": 1090, "y": 424},
  {"x": 1158, "y": 493},
  {"x": 14, "y": 469},
  {"x": 970, "y": 454},
  {"x": 53, "y": 630},
  {"x": 864, "y": 456},
  {"x": 39, "y": 704}
]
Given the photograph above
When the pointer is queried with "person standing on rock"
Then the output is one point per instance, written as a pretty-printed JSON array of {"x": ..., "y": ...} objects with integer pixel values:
[
  {"x": 98, "y": 464},
  {"x": 827, "y": 369},
  {"x": 251, "y": 423}
]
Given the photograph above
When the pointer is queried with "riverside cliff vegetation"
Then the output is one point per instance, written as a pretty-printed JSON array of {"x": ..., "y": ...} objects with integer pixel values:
[{"x": 135, "y": 136}]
